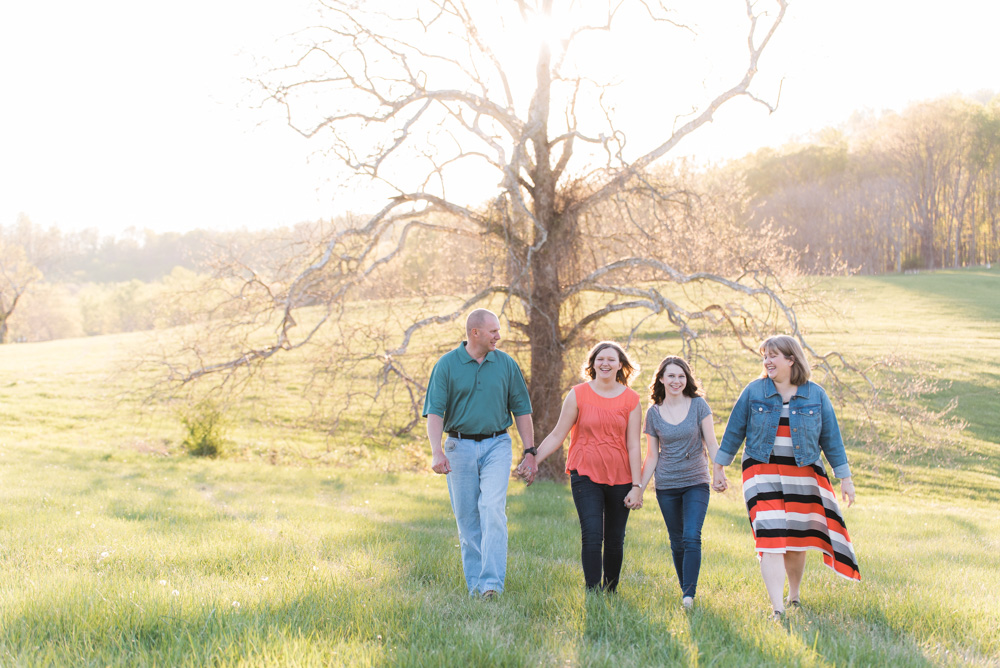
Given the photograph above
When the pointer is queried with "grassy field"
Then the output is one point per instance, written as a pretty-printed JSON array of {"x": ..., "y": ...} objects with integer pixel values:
[{"x": 115, "y": 549}]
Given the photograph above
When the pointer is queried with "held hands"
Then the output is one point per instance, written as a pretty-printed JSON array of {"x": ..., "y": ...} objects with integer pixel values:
[
  {"x": 847, "y": 490},
  {"x": 527, "y": 469},
  {"x": 634, "y": 499},
  {"x": 719, "y": 481}
]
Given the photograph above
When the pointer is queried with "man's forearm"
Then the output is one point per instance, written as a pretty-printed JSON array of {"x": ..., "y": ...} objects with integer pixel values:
[{"x": 525, "y": 429}]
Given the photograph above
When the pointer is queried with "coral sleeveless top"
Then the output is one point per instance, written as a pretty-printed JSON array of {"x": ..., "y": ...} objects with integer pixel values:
[{"x": 597, "y": 448}]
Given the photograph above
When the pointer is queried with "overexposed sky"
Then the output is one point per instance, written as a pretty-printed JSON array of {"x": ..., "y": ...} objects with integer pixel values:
[{"x": 124, "y": 113}]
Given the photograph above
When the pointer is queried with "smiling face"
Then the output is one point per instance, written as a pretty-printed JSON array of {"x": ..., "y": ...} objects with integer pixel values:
[
  {"x": 674, "y": 380},
  {"x": 485, "y": 336},
  {"x": 607, "y": 364},
  {"x": 777, "y": 367}
]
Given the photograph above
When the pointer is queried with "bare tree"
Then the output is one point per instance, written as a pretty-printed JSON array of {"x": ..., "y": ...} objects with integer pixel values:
[
  {"x": 555, "y": 219},
  {"x": 16, "y": 276}
]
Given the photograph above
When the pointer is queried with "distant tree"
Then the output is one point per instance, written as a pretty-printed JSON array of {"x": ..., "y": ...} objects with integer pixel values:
[{"x": 17, "y": 275}]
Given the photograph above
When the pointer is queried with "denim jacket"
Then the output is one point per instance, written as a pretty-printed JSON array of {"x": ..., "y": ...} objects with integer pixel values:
[{"x": 811, "y": 419}]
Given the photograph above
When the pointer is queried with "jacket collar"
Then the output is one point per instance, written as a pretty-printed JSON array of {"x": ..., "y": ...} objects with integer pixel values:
[{"x": 770, "y": 390}]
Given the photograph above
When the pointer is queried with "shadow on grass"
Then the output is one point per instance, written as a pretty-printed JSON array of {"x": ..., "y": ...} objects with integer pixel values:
[
  {"x": 833, "y": 636},
  {"x": 971, "y": 291},
  {"x": 977, "y": 405},
  {"x": 617, "y": 632}
]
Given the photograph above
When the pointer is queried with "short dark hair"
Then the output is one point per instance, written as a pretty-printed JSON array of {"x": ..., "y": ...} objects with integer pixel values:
[
  {"x": 624, "y": 375},
  {"x": 691, "y": 388}
]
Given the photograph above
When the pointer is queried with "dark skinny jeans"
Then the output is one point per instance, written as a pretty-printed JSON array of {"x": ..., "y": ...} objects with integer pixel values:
[
  {"x": 603, "y": 517},
  {"x": 684, "y": 510}
]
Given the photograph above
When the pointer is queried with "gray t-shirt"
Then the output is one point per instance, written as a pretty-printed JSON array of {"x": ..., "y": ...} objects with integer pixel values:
[{"x": 682, "y": 459}]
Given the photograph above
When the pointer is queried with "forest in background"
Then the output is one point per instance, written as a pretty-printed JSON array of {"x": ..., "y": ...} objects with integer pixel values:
[{"x": 883, "y": 193}]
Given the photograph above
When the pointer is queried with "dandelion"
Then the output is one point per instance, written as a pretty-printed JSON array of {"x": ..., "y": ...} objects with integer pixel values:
[
  {"x": 163, "y": 583},
  {"x": 315, "y": 568},
  {"x": 59, "y": 550},
  {"x": 264, "y": 579},
  {"x": 92, "y": 526},
  {"x": 103, "y": 554},
  {"x": 236, "y": 604},
  {"x": 78, "y": 512},
  {"x": 175, "y": 593}
]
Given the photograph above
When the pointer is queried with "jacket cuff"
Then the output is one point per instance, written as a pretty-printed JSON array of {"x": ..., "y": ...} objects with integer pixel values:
[
  {"x": 842, "y": 471},
  {"x": 723, "y": 458}
]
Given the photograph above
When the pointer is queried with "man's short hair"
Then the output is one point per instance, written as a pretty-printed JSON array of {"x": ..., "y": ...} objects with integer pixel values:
[{"x": 477, "y": 318}]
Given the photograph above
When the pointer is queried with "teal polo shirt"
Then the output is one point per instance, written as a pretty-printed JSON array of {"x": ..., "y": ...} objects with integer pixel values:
[{"x": 476, "y": 398}]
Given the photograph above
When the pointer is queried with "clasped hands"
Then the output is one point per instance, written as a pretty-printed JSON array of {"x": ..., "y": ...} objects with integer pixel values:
[
  {"x": 527, "y": 469},
  {"x": 719, "y": 481}
]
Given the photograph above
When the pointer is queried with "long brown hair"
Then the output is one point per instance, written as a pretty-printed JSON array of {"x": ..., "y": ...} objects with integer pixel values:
[
  {"x": 691, "y": 388},
  {"x": 624, "y": 375}
]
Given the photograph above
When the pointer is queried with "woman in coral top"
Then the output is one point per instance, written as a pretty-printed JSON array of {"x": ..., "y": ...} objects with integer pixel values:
[{"x": 604, "y": 460}]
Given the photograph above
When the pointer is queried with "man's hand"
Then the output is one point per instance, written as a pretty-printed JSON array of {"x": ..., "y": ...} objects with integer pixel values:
[
  {"x": 440, "y": 463},
  {"x": 527, "y": 469}
]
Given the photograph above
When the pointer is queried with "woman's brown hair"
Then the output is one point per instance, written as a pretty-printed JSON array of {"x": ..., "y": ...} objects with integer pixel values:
[
  {"x": 624, "y": 375},
  {"x": 691, "y": 388}
]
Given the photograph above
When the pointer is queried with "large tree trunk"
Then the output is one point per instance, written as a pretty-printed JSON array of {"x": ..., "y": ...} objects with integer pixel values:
[{"x": 547, "y": 363}]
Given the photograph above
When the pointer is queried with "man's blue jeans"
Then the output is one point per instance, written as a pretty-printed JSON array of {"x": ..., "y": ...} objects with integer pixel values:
[
  {"x": 684, "y": 510},
  {"x": 477, "y": 485}
]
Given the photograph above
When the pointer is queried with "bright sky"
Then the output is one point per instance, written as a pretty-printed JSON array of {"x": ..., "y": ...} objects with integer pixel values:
[{"x": 118, "y": 114}]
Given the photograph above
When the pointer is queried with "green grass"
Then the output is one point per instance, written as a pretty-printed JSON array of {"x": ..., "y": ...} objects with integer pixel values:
[{"x": 117, "y": 549}]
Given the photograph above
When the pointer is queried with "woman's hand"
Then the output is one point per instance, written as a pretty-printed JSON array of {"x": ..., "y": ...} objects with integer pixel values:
[
  {"x": 847, "y": 490},
  {"x": 719, "y": 481},
  {"x": 634, "y": 499},
  {"x": 527, "y": 469}
]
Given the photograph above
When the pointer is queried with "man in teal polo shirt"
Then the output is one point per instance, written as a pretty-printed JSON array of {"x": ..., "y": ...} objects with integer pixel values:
[{"x": 471, "y": 395}]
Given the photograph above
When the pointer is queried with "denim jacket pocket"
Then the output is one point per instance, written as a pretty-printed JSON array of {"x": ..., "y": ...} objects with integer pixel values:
[
  {"x": 760, "y": 416},
  {"x": 810, "y": 419}
]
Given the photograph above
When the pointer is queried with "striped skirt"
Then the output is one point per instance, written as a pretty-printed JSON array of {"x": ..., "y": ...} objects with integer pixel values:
[{"x": 795, "y": 508}]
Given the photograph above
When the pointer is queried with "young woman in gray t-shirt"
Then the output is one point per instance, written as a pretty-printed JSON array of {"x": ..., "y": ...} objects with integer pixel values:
[{"x": 679, "y": 429}]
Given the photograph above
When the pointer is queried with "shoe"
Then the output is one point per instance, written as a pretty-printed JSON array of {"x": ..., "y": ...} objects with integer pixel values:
[
  {"x": 490, "y": 595},
  {"x": 778, "y": 616},
  {"x": 793, "y": 603},
  {"x": 688, "y": 603}
]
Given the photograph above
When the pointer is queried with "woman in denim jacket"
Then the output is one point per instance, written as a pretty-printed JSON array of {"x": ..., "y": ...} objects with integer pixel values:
[{"x": 786, "y": 421}]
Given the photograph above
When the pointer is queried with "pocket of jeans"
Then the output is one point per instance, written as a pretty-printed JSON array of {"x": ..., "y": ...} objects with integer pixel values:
[{"x": 450, "y": 445}]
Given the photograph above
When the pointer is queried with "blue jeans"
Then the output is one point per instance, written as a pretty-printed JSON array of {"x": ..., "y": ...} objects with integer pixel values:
[
  {"x": 684, "y": 510},
  {"x": 477, "y": 485},
  {"x": 603, "y": 517}
]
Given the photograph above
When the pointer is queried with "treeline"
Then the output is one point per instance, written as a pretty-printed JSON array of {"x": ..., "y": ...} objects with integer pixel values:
[
  {"x": 56, "y": 284},
  {"x": 889, "y": 193},
  {"x": 87, "y": 257},
  {"x": 914, "y": 190}
]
